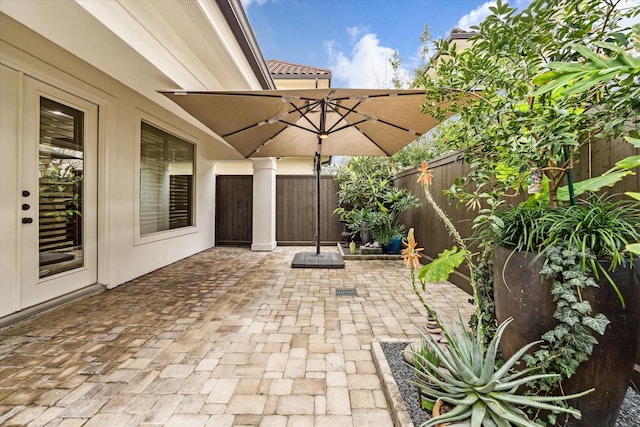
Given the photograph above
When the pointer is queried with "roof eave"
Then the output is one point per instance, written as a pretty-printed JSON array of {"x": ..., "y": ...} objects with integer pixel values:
[
  {"x": 302, "y": 76},
  {"x": 239, "y": 24}
]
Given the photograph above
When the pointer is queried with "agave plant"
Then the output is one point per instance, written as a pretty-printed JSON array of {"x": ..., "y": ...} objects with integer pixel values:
[{"x": 481, "y": 392}]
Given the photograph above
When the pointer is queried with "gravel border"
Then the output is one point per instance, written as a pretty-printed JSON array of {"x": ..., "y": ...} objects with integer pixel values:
[{"x": 402, "y": 373}]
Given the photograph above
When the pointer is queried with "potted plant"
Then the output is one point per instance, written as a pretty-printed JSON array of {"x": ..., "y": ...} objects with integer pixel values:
[
  {"x": 586, "y": 312},
  {"x": 368, "y": 201},
  {"x": 512, "y": 130},
  {"x": 386, "y": 227},
  {"x": 416, "y": 355},
  {"x": 360, "y": 182},
  {"x": 359, "y": 221}
]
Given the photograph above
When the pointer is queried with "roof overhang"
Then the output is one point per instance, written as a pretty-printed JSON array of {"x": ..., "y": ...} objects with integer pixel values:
[{"x": 146, "y": 45}]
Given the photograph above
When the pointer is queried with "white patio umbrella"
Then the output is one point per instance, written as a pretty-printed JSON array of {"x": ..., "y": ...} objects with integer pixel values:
[{"x": 312, "y": 122}]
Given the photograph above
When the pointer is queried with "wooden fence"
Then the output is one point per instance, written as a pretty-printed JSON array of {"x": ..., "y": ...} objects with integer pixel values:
[
  {"x": 430, "y": 231},
  {"x": 295, "y": 210},
  {"x": 295, "y": 202}
]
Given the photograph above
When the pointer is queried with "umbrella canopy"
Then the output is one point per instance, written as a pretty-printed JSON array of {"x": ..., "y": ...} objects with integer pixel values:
[
  {"x": 311, "y": 122},
  {"x": 280, "y": 123}
]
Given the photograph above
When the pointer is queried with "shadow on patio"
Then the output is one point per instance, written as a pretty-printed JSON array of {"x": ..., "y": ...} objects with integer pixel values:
[{"x": 225, "y": 337}]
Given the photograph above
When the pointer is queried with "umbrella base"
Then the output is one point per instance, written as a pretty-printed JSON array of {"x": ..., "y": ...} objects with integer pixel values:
[{"x": 321, "y": 260}]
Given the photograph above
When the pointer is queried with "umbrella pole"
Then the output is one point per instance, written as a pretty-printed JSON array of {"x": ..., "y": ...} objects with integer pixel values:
[
  {"x": 317, "y": 165},
  {"x": 327, "y": 259},
  {"x": 321, "y": 136}
]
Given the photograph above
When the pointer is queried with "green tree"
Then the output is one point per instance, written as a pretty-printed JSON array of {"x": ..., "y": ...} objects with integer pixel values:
[
  {"x": 435, "y": 143},
  {"x": 610, "y": 74},
  {"x": 508, "y": 130}
]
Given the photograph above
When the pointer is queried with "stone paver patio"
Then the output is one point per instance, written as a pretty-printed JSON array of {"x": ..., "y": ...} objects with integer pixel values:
[{"x": 227, "y": 337}]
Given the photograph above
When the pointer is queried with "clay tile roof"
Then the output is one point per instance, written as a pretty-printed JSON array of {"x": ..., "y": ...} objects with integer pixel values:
[
  {"x": 459, "y": 33},
  {"x": 277, "y": 67}
]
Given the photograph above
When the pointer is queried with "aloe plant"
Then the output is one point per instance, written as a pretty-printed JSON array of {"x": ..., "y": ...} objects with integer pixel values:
[
  {"x": 481, "y": 393},
  {"x": 419, "y": 355}
]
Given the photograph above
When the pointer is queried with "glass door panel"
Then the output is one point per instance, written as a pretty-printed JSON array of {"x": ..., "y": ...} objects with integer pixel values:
[{"x": 61, "y": 171}]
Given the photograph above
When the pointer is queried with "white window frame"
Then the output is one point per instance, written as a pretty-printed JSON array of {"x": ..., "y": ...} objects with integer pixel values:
[{"x": 177, "y": 232}]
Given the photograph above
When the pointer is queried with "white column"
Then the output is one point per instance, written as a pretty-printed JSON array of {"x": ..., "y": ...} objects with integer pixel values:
[{"x": 264, "y": 204}]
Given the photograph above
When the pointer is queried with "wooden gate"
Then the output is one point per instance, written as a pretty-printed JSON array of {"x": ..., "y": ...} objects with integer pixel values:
[
  {"x": 295, "y": 210},
  {"x": 234, "y": 208}
]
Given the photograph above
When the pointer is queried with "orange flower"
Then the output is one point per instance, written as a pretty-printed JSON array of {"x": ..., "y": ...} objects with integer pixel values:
[
  {"x": 426, "y": 176},
  {"x": 411, "y": 254}
]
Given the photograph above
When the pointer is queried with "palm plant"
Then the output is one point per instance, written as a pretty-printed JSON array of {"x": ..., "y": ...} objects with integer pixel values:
[{"x": 387, "y": 223}]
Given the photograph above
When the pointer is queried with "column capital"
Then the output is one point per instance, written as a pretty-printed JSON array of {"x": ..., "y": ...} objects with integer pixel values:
[{"x": 264, "y": 163}]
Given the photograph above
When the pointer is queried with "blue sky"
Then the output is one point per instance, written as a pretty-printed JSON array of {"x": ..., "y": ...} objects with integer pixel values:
[{"x": 355, "y": 38}]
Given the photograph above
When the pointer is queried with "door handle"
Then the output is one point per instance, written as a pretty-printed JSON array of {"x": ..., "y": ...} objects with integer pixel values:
[
  {"x": 25, "y": 193},
  {"x": 25, "y": 206},
  {"x": 27, "y": 220}
]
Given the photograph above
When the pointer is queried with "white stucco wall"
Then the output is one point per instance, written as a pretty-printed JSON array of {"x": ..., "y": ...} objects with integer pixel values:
[{"x": 122, "y": 253}]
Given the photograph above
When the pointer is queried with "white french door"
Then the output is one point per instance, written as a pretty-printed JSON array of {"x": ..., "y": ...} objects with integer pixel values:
[{"x": 58, "y": 195}]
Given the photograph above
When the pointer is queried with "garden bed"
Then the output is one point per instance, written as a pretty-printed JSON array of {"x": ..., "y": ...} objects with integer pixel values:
[
  {"x": 404, "y": 402},
  {"x": 343, "y": 248}
]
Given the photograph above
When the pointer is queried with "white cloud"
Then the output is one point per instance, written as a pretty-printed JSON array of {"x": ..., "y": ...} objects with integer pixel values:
[
  {"x": 366, "y": 66},
  {"x": 476, "y": 16},
  {"x": 356, "y": 32},
  {"x": 521, "y": 4}
]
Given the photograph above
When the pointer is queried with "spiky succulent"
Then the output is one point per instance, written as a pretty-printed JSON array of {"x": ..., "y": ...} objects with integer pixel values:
[{"x": 481, "y": 393}]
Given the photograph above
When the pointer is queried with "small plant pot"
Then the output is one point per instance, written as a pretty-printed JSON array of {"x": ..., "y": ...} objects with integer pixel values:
[
  {"x": 393, "y": 247},
  {"x": 366, "y": 236},
  {"x": 440, "y": 408},
  {"x": 427, "y": 403}
]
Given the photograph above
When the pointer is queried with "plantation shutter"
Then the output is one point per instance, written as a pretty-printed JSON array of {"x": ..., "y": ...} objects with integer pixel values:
[{"x": 166, "y": 181}]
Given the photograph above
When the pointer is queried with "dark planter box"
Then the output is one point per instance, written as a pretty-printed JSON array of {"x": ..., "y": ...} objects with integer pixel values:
[{"x": 520, "y": 293}]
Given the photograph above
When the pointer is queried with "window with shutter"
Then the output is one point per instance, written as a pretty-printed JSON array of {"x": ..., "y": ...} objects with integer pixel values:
[{"x": 166, "y": 181}]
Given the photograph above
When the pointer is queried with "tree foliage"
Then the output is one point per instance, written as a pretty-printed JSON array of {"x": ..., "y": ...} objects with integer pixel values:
[
  {"x": 510, "y": 127},
  {"x": 505, "y": 123},
  {"x": 432, "y": 145}
]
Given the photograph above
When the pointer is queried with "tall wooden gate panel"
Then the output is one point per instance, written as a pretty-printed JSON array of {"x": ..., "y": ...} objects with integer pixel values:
[
  {"x": 234, "y": 209},
  {"x": 296, "y": 210}
]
